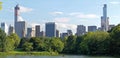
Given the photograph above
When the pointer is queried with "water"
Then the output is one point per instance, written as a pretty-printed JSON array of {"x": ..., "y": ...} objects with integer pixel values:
[{"x": 64, "y": 56}]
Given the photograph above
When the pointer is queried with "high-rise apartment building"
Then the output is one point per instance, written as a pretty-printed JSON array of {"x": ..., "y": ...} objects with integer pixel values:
[
  {"x": 69, "y": 32},
  {"x": 57, "y": 33},
  {"x": 37, "y": 30},
  {"x": 20, "y": 26},
  {"x": 50, "y": 29},
  {"x": 11, "y": 30},
  {"x": 4, "y": 27},
  {"x": 92, "y": 28},
  {"x": 81, "y": 30},
  {"x": 104, "y": 19}
]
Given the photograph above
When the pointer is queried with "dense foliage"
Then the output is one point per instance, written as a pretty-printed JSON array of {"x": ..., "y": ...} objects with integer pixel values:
[{"x": 92, "y": 43}]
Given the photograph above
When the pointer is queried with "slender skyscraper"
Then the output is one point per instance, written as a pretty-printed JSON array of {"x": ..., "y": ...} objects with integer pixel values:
[
  {"x": 104, "y": 19},
  {"x": 37, "y": 30},
  {"x": 20, "y": 26}
]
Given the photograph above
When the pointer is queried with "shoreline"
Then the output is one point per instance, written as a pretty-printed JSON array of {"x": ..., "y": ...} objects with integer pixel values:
[{"x": 29, "y": 53}]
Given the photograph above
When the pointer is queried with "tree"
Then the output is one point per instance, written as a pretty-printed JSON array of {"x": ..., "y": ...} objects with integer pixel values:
[
  {"x": 11, "y": 42},
  {"x": 56, "y": 44},
  {"x": 95, "y": 43},
  {"x": 22, "y": 41},
  {"x": 16, "y": 39},
  {"x": 27, "y": 46},
  {"x": 70, "y": 44},
  {"x": 115, "y": 40},
  {"x": 2, "y": 40}
]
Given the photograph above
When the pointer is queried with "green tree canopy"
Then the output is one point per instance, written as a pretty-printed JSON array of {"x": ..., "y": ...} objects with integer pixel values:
[
  {"x": 57, "y": 44},
  {"x": 95, "y": 43},
  {"x": 115, "y": 40},
  {"x": 27, "y": 46},
  {"x": 2, "y": 40}
]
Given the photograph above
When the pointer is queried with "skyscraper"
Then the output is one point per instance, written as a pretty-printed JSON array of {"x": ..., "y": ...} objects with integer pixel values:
[
  {"x": 50, "y": 29},
  {"x": 81, "y": 30},
  {"x": 37, "y": 30},
  {"x": 69, "y": 32},
  {"x": 4, "y": 27},
  {"x": 20, "y": 26},
  {"x": 104, "y": 19},
  {"x": 30, "y": 32},
  {"x": 11, "y": 30},
  {"x": 92, "y": 28},
  {"x": 57, "y": 33}
]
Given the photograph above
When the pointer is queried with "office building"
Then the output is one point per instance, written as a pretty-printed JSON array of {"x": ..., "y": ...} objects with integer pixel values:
[
  {"x": 37, "y": 30},
  {"x": 92, "y": 28},
  {"x": 11, "y": 30},
  {"x": 111, "y": 26},
  {"x": 81, "y": 30},
  {"x": 104, "y": 19},
  {"x": 50, "y": 29},
  {"x": 29, "y": 32},
  {"x": 4, "y": 27},
  {"x": 57, "y": 33},
  {"x": 42, "y": 33},
  {"x": 63, "y": 35},
  {"x": 69, "y": 32}
]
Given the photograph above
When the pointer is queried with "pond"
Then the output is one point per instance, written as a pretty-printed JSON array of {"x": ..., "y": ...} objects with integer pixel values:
[{"x": 61, "y": 56}]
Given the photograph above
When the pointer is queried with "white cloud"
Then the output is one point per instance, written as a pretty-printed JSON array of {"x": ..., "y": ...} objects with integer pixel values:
[
  {"x": 62, "y": 20},
  {"x": 20, "y": 18},
  {"x": 56, "y": 13},
  {"x": 25, "y": 9},
  {"x": 84, "y": 16},
  {"x": 87, "y": 16},
  {"x": 115, "y": 2},
  {"x": 64, "y": 27}
]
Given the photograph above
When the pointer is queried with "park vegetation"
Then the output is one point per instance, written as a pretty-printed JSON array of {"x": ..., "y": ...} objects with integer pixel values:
[{"x": 92, "y": 43}]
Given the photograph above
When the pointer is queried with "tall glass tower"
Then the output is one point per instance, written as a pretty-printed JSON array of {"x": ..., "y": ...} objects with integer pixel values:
[{"x": 104, "y": 19}]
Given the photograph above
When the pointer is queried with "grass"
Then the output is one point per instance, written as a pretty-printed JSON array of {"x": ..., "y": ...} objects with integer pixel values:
[{"x": 29, "y": 53}]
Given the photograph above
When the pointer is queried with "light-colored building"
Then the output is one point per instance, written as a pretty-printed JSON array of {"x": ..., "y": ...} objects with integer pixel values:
[
  {"x": 104, "y": 19},
  {"x": 4, "y": 27},
  {"x": 81, "y": 30},
  {"x": 11, "y": 30}
]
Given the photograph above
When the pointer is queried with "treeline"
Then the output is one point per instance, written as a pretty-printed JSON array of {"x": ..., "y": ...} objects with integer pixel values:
[
  {"x": 92, "y": 43},
  {"x": 95, "y": 43}
]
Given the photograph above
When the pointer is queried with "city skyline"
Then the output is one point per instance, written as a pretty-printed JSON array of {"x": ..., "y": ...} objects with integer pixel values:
[{"x": 62, "y": 12}]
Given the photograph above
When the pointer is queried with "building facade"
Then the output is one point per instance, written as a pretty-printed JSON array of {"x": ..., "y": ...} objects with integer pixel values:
[
  {"x": 50, "y": 29},
  {"x": 11, "y": 30},
  {"x": 20, "y": 26},
  {"x": 4, "y": 27},
  {"x": 81, "y": 30},
  {"x": 104, "y": 19},
  {"x": 92, "y": 28},
  {"x": 37, "y": 30}
]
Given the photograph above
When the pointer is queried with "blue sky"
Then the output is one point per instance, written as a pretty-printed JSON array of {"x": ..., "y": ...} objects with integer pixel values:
[{"x": 66, "y": 13}]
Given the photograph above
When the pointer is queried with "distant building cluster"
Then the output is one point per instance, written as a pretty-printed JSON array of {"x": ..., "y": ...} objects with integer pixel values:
[{"x": 20, "y": 27}]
